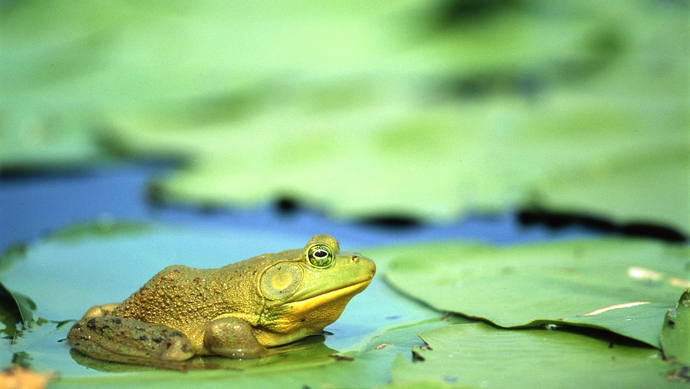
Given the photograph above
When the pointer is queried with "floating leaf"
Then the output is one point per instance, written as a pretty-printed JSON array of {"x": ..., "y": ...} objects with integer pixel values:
[
  {"x": 482, "y": 356},
  {"x": 595, "y": 187},
  {"x": 675, "y": 334},
  {"x": 77, "y": 267},
  {"x": 620, "y": 285},
  {"x": 15, "y": 309}
]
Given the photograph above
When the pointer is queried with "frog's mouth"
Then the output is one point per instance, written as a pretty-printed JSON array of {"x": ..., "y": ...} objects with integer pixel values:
[{"x": 309, "y": 303}]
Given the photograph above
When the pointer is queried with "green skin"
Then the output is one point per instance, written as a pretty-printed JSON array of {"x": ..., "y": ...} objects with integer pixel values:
[{"x": 238, "y": 311}]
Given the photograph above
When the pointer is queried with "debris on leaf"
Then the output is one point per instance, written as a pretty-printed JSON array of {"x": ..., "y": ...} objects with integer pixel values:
[
  {"x": 416, "y": 357},
  {"x": 341, "y": 357},
  {"x": 681, "y": 374}
]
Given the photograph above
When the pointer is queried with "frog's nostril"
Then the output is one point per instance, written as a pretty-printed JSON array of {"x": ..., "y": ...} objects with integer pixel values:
[{"x": 354, "y": 259}]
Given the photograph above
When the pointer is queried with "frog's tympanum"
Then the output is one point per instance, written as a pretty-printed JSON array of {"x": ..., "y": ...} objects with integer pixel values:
[{"x": 237, "y": 311}]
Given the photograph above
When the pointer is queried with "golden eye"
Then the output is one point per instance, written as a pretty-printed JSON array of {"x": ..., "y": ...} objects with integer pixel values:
[{"x": 320, "y": 256}]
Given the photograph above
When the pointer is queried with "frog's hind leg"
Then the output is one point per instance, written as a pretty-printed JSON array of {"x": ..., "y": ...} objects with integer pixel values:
[{"x": 127, "y": 340}]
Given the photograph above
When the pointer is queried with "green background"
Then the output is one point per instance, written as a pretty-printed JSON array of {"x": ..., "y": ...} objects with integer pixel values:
[{"x": 428, "y": 111}]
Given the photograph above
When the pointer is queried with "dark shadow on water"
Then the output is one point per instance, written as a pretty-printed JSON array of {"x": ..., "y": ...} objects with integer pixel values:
[
  {"x": 18, "y": 174},
  {"x": 563, "y": 220},
  {"x": 286, "y": 205},
  {"x": 393, "y": 222},
  {"x": 614, "y": 340}
]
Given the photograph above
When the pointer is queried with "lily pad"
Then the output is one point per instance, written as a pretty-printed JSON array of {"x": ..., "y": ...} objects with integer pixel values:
[
  {"x": 622, "y": 286},
  {"x": 675, "y": 334},
  {"x": 77, "y": 267},
  {"x": 594, "y": 187},
  {"x": 482, "y": 356},
  {"x": 15, "y": 310}
]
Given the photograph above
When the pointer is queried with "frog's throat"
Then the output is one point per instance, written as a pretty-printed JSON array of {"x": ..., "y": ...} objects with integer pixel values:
[
  {"x": 312, "y": 303},
  {"x": 295, "y": 320}
]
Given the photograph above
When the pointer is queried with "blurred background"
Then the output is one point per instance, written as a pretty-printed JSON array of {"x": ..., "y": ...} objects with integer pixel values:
[
  {"x": 393, "y": 113},
  {"x": 378, "y": 122}
]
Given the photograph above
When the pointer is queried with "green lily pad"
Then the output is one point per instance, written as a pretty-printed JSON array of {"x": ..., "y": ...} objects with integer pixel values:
[
  {"x": 482, "y": 356},
  {"x": 675, "y": 334},
  {"x": 594, "y": 188},
  {"x": 80, "y": 266},
  {"x": 622, "y": 286},
  {"x": 16, "y": 309}
]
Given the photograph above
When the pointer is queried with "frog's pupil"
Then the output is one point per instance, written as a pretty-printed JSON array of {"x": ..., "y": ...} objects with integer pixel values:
[{"x": 320, "y": 254}]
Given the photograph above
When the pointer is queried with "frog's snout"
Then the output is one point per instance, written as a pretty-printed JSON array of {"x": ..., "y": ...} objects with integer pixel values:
[{"x": 367, "y": 264}]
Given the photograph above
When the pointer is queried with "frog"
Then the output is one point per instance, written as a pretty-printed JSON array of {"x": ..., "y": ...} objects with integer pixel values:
[{"x": 243, "y": 310}]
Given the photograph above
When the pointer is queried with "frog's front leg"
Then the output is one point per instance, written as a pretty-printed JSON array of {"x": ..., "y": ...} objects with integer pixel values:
[
  {"x": 233, "y": 338},
  {"x": 126, "y": 340}
]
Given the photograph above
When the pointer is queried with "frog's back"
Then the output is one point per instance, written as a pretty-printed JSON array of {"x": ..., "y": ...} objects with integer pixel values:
[{"x": 186, "y": 298}]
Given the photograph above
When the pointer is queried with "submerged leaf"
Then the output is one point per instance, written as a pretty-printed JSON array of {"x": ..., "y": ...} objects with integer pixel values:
[
  {"x": 618, "y": 285},
  {"x": 105, "y": 227},
  {"x": 675, "y": 334},
  {"x": 482, "y": 356}
]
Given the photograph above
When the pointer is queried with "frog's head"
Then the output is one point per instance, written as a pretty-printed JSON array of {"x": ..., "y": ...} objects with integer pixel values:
[{"x": 306, "y": 290}]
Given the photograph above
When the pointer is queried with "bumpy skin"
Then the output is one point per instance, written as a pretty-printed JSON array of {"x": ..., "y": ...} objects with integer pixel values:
[{"x": 236, "y": 311}]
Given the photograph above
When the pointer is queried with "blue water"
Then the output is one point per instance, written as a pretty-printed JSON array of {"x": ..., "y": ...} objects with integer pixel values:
[{"x": 32, "y": 206}]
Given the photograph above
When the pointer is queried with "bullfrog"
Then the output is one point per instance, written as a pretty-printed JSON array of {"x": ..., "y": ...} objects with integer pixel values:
[{"x": 241, "y": 310}]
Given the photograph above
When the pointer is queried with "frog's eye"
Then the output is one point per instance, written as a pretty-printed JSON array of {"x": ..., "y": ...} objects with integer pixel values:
[{"x": 320, "y": 256}]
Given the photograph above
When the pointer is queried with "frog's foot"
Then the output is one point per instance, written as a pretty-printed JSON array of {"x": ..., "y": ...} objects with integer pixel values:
[
  {"x": 100, "y": 310},
  {"x": 233, "y": 338},
  {"x": 127, "y": 340}
]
